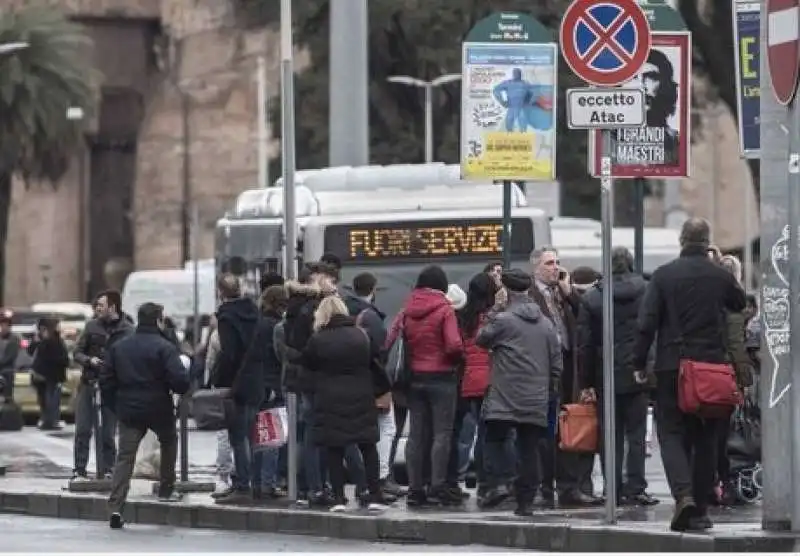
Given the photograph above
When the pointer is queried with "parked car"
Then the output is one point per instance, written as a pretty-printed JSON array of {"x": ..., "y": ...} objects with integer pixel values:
[
  {"x": 25, "y": 395},
  {"x": 73, "y": 319}
]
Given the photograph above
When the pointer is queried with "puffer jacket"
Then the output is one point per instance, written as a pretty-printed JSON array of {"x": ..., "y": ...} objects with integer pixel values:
[
  {"x": 476, "y": 365},
  {"x": 431, "y": 331}
]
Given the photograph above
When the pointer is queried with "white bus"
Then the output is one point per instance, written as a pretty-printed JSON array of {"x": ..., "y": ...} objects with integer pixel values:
[{"x": 387, "y": 220}]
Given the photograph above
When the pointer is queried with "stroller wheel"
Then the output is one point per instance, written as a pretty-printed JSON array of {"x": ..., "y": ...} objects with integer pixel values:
[{"x": 747, "y": 490}]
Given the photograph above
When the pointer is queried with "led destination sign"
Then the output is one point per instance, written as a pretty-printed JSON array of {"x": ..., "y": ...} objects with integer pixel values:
[{"x": 427, "y": 239}]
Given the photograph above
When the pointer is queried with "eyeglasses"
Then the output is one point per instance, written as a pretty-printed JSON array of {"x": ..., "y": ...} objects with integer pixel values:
[{"x": 552, "y": 262}]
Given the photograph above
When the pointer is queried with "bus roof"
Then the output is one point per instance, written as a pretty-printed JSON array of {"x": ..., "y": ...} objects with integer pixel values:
[{"x": 396, "y": 187}]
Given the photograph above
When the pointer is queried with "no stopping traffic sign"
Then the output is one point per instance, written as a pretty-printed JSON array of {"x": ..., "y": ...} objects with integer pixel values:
[{"x": 605, "y": 42}]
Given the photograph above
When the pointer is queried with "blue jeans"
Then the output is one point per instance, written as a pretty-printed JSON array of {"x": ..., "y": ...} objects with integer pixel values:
[
  {"x": 265, "y": 468},
  {"x": 311, "y": 456},
  {"x": 466, "y": 438},
  {"x": 239, "y": 436}
]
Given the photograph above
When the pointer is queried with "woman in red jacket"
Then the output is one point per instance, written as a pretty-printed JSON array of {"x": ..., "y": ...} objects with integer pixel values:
[
  {"x": 475, "y": 379},
  {"x": 434, "y": 351}
]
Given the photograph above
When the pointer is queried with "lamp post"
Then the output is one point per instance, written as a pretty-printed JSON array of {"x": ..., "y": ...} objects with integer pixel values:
[
  {"x": 9, "y": 47},
  {"x": 77, "y": 114},
  {"x": 428, "y": 86}
]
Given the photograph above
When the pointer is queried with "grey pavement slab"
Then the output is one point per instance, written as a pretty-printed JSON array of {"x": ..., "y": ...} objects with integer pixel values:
[{"x": 554, "y": 530}]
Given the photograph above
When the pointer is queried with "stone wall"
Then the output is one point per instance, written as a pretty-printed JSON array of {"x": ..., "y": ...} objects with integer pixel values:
[
  {"x": 212, "y": 65},
  {"x": 213, "y": 70}
]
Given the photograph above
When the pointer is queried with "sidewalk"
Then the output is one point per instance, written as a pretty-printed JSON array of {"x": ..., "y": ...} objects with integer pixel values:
[{"x": 639, "y": 530}]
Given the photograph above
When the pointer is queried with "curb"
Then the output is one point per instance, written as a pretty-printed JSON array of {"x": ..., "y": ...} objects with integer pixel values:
[{"x": 413, "y": 529}]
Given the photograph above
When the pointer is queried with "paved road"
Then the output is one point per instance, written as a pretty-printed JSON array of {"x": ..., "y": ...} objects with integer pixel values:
[
  {"x": 45, "y": 535},
  {"x": 36, "y": 453},
  {"x": 50, "y": 454}
]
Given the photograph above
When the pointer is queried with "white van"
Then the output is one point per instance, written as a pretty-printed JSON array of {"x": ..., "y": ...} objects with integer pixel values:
[
  {"x": 174, "y": 289},
  {"x": 582, "y": 245}
]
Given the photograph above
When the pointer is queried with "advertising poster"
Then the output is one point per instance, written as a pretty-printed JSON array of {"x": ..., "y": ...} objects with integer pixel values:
[
  {"x": 660, "y": 149},
  {"x": 509, "y": 106},
  {"x": 746, "y": 24}
]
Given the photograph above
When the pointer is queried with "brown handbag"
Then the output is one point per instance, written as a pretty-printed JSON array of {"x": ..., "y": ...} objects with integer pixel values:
[{"x": 578, "y": 428}]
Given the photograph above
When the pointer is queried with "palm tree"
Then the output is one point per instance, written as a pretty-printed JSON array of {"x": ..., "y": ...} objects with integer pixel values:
[{"x": 38, "y": 83}]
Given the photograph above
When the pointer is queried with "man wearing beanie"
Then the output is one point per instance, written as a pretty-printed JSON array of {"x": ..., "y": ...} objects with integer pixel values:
[{"x": 526, "y": 368}]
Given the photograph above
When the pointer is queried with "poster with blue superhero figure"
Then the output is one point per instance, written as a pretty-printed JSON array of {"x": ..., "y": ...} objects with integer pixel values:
[{"x": 509, "y": 103}]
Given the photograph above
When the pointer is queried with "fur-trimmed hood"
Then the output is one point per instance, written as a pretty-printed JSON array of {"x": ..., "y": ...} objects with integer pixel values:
[
  {"x": 295, "y": 288},
  {"x": 298, "y": 289}
]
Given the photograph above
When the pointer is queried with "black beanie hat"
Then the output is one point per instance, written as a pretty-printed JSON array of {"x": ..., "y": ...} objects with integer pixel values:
[
  {"x": 516, "y": 280},
  {"x": 433, "y": 277}
]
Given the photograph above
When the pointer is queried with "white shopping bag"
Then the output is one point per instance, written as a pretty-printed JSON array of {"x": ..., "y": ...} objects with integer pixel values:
[
  {"x": 148, "y": 459},
  {"x": 270, "y": 428}
]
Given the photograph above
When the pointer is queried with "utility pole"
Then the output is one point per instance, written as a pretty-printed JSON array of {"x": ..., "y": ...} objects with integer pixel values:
[
  {"x": 289, "y": 209},
  {"x": 349, "y": 83},
  {"x": 263, "y": 114}
]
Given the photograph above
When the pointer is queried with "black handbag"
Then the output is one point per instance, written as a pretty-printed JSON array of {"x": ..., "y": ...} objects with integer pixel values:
[{"x": 211, "y": 408}]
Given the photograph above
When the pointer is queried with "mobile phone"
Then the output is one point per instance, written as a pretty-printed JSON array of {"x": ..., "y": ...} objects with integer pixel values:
[{"x": 562, "y": 274}]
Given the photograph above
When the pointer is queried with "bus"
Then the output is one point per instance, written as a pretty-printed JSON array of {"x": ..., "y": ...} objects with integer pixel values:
[{"x": 388, "y": 220}]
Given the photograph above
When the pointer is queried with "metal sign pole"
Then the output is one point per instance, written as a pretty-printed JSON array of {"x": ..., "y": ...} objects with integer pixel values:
[
  {"x": 794, "y": 310},
  {"x": 607, "y": 215},
  {"x": 289, "y": 209},
  {"x": 98, "y": 431},
  {"x": 183, "y": 406},
  {"x": 638, "y": 230},
  {"x": 507, "y": 224}
]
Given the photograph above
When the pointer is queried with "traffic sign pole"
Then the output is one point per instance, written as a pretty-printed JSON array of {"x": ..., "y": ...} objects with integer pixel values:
[
  {"x": 507, "y": 224},
  {"x": 606, "y": 43},
  {"x": 794, "y": 313},
  {"x": 609, "y": 425}
]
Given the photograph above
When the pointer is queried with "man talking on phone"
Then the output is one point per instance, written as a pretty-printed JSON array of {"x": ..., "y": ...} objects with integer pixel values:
[{"x": 559, "y": 302}]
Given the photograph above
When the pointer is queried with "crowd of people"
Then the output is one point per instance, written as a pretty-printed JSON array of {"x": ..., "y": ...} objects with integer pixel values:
[{"x": 482, "y": 378}]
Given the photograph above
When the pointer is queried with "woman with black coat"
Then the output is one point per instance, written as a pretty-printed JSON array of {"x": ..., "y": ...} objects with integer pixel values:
[
  {"x": 345, "y": 380},
  {"x": 50, "y": 362}
]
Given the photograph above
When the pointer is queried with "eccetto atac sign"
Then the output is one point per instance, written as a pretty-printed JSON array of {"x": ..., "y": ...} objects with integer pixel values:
[{"x": 605, "y": 108}]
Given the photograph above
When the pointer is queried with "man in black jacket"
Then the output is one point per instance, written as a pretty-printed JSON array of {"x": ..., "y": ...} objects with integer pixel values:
[
  {"x": 9, "y": 350},
  {"x": 361, "y": 306},
  {"x": 237, "y": 321},
  {"x": 684, "y": 309},
  {"x": 138, "y": 377},
  {"x": 108, "y": 327},
  {"x": 631, "y": 398}
]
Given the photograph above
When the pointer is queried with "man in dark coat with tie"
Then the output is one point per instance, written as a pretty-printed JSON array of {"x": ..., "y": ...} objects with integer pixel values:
[{"x": 559, "y": 301}]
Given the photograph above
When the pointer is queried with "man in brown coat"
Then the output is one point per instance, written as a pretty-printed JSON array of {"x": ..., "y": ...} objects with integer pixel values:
[{"x": 559, "y": 302}]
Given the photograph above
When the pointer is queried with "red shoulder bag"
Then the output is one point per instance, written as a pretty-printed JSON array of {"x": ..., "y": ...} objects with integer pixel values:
[{"x": 708, "y": 390}]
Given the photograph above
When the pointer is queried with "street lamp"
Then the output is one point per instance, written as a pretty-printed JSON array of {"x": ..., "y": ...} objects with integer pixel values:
[
  {"x": 9, "y": 47},
  {"x": 77, "y": 114},
  {"x": 428, "y": 86}
]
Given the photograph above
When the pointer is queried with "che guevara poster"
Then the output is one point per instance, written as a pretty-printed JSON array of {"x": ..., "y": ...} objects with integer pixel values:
[{"x": 661, "y": 148}]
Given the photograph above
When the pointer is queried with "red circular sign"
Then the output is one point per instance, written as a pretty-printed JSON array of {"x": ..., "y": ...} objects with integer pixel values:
[
  {"x": 783, "y": 48},
  {"x": 605, "y": 42}
]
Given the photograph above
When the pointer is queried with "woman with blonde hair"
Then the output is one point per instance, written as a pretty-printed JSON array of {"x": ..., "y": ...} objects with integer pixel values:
[{"x": 343, "y": 384}]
